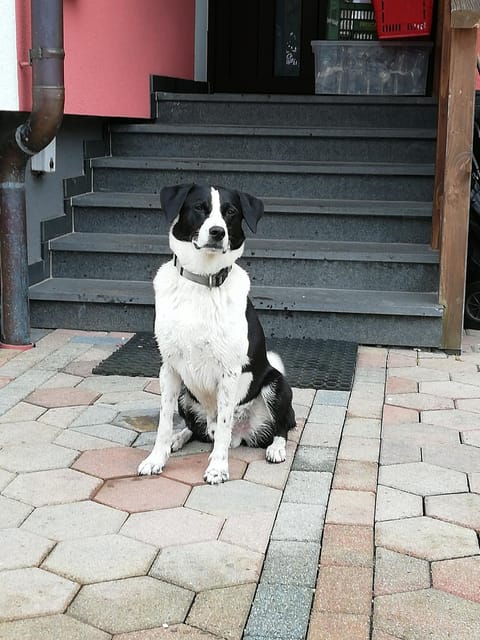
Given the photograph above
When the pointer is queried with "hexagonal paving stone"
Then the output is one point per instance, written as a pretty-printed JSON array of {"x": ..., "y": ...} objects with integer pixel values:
[
  {"x": 19, "y": 549},
  {"x": 397, "y": 573},
  {"x": 427, "y": 538},
  {"x": 143, "y": 493},
  {"x": 393, "y": 504},
  {"x": 131, "y": 604},
  {"x": 190, "y": 469},
  {"x": 101, "y": 558},
  {"x": 472, "y": 438},
  {"x": 140, "y": 420},
  {"x": 172, "y": 632},
  {"x": 62, "y": 397},
  {"x": 250, "y": 530},
  {"x": 233, "y": 497},
  {"x": 460, "y": 457},
  {"x": 75, "y": 520},
  {"x": 453, "y": 390},
  {"x": 33, "y": 592},
  {"x": 452, "y": 419},
  {"x": 36, "y": 457},
  {"x": 419, "y": 401},
  {"x": 418, "y": 374},
  {"x": 52, "y": 487},
  {"x": 18, "y": 433},
  {"x": 461, "y": 508},
  {"x": 418, "y": 615},
  {"x": 460, "y": 577},
  {"x": 115, "y": 462},
  {"x": 422, "y": 479},
  {"x": 12, "y": 512},
  {"x": 5, "y": 478},
  {"x": 419, "y": 433},
  {"x": 207, "y": 565},
  {"x": 50, "y": 628},
  {"x": 169, "y": 526}
]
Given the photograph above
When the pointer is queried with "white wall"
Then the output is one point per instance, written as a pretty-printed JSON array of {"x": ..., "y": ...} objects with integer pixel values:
[{"x": 8, "y": 57}]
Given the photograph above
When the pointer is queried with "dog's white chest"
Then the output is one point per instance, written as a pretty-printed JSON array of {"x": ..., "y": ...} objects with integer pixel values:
[{"x": 202, "y": 332}]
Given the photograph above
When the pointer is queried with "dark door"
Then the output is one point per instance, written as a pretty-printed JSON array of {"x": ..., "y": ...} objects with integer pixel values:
[{"x": 263, "y": 46}]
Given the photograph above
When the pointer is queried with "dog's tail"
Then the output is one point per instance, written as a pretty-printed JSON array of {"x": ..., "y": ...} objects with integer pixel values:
[{"x": 276, "y": 362}]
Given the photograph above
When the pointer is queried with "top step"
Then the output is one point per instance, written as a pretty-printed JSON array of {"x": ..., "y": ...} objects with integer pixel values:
[{"x": 320, "y": 111}]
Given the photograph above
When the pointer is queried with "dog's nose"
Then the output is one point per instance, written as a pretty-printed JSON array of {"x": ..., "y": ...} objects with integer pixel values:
[{"x": 217, "y": 233}]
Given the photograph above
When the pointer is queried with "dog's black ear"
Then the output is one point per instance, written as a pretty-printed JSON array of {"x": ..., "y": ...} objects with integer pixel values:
[
  {"x": 172, "y": 199},
  {"x": 252, "y": 209}
]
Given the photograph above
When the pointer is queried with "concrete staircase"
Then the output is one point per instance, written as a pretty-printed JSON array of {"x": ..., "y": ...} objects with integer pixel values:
[{"x": 342, "y": 251}]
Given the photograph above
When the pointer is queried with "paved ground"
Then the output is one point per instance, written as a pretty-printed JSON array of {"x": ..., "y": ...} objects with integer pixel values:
[{"x": 369, "y": 531}]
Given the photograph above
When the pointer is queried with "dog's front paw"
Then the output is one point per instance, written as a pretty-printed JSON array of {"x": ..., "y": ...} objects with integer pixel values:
[
  {"x": 152, "y": 465},
  {"x": 277, "y": 451},
  {"x": 216, "y": 473}
]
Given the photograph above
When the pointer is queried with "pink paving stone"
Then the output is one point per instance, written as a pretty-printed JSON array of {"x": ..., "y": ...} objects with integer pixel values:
[
  {"x": 142, "y": 493},
  {"x": 81, "y": 368},
  {"x": 407, "y": 359},
  {"x": 347, "y": 545},
  {"x": 350, "y": 507},
  {"x": 358, "y": 448},
  {"x": 356, "y": 475},
  {"x": 247, "y": 454},
  {"x": 153, "y": 387},
  {"x": 419, "y": 401},
  {"x": 4, "y": 381},
  {"x": 371, "y": 358},
  {"x": 62, "y": 397},
  {"x": 338, "y": 626},
  {"x": 460, "y": 577},
  {"x": 381, "y": 635},
  {"x": 397, "y": 415},
  {"x": 170, "y": 632},
  {"x": 400, "y": 385},
  {"x": 344, "y": 590},
  {"x": 190, "y": 469},
  {"x": 109, "y": 463}
]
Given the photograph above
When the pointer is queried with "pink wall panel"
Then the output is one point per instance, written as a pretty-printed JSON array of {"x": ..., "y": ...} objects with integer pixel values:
[{"x": 112, "y": 47}]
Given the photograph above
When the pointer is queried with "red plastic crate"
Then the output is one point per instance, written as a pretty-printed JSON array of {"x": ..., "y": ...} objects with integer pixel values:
[{"x": 405, "y": 19}]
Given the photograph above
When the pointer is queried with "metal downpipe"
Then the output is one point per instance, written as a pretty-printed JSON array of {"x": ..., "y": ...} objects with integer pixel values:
[{"x": 48, "y": 96}]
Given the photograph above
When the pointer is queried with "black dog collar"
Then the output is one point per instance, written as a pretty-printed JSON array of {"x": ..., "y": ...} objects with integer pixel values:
[{"x": 213, "y": 280}]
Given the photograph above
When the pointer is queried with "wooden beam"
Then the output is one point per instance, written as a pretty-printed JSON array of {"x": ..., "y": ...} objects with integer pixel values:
[
  {"x": 465, "y": 14},
  {"x": 456, "y": 192}
]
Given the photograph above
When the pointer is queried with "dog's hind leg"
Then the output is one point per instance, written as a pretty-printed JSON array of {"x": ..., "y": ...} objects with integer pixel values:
[
  {"x": 180, "y": 438},
  {"x": 170, "y": 385}
]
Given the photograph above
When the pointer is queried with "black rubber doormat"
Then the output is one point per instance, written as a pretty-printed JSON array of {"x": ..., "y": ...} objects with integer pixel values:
[{"x": 310, "y": 364}]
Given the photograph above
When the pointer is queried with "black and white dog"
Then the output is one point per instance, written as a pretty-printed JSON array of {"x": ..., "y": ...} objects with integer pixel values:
[{"x": 215, "y": 367}]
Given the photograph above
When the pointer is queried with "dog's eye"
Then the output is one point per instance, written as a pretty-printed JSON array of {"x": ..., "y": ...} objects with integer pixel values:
[
  {"x": 228, "y": 213},
  {"x": 199, "y": 207}
]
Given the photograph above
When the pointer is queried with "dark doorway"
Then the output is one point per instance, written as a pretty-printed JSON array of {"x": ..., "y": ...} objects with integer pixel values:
[{"x": 263, "y": 46}]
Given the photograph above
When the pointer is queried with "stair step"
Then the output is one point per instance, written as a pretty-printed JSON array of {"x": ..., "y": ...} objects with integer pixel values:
[
  {"x": 380, "y": 181},
  {"x": 294, "y": 143},
  {"x": 272, "y": 298},
  {"x": 296, "y": 218},
  {"x": 268, "y": 261},
  {"x": 321, "y": 111}
]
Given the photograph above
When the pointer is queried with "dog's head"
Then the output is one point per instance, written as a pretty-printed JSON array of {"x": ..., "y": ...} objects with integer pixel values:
[{"x": 206, "y": 222}]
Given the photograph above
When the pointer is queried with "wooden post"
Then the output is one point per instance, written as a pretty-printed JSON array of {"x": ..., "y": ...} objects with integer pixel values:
[{"x": 456, "y": 184}]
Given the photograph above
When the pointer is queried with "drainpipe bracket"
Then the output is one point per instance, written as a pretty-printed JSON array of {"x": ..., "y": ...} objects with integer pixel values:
[{"x": 41, "y": 53}]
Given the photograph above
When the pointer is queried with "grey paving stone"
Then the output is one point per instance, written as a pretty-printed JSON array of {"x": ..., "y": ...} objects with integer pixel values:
[
  {"x": 323, "y": 414},
  {"x": 268, "y": 474},
  {"x": 399, "y": 452},
  {"x": 110, "y": 432},
  {"x": 102, "y": 558},
  {"x": 5, "y": 478},
  {"x": 460, "y": 457},
  {"x": 301, "y": 522},
  {"x": 250, "y": 530},
  {"x": 107, "y": 384},
  {"x": 22, "y": 412},
  {"x": 36, "y": 457},
  {"x": 26, "y": 593},
  {"x": 314, "y": 459},
  {"x": 56, "y": 627},
  {"x": 21, "y": 433},
  {"x": 52, "y": 487},
  {"x": 427, "y": 538},
  {"x": 396, "y": 573},
  {"x": 393, "y": 504},
  {"x": 61, "y": 380},
  {"x": 291, "y": 563},
  {"x": 223, "y": 612},
  {"x": 362, "y": 427},
  {"x": 62, "y": 416},
  {"x": 303, "y": 396},
  {"x": 427, "y": 613},
  {"x": 280, "y": 612},
  {"x": 233, "y": 497},
  {"x": 422, "y": 478},
  {"x": 96, "y": 414},
  {"x": 20, "y": 549},
  {"x": 207, "y": 565},
  {"x": 332, "y": 398},
  {"x": 419, "y": 434},
  {"x": 321, "y": 435},
  {"x": 308, "y": 487},
  {"x": 62, "y": 357},
  {"x": 12, "y": 512},
  {"x": 131, "y": 604},
  {"x": 75, "y": 520},
  {"x": 80, "y": 441}
]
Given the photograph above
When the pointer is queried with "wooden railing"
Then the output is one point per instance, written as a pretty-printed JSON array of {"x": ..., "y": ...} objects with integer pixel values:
[{"x": 458, "y": 21}]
